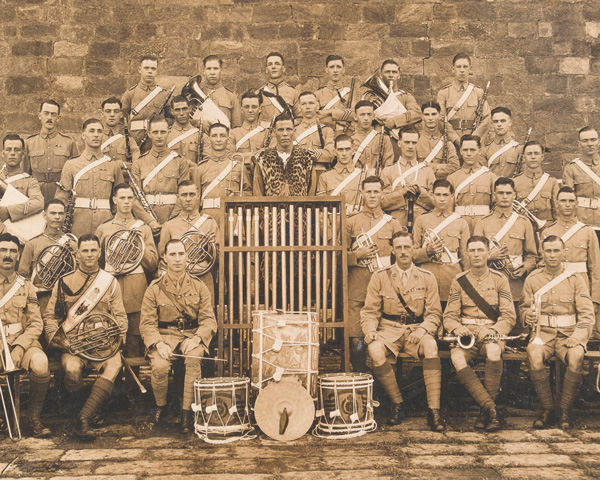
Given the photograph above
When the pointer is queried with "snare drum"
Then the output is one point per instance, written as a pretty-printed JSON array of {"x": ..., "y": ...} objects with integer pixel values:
[
  {"x": 221, "y": 409},
  {"x": 285, "y": 345},
  {"x": 345, "y": 405}
]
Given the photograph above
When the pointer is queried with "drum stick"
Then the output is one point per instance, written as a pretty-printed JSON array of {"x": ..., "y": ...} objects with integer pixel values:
[
  {"x": 196, "y": 356},
  {"x": 133, "y": 375}
]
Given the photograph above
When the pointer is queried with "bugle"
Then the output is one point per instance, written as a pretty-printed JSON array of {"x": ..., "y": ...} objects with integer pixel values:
[
  {"x": 522, "y": 209},
  {"x": 432, "y": 237},
  {"x": 374, "y": 263},
  {"x": 502, "y": 264},
  {"x": 536, "y": 309},
  {"x": 8, "y": 405}
]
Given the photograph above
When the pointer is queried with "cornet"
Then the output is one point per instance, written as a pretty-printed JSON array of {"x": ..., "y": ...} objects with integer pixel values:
[
  {"x": 14, "y": 431},
  {"x": 536, "y": 309},
  {"x": 373, "y": 263},
  {"x": 432, "y": 237},
  {"x": 502, "y": 265},
  {"x": 521, "y": 209}
]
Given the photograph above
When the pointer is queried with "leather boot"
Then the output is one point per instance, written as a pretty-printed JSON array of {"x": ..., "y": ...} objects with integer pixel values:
[
  {"x": 493, "y": 422},
  {"x": 546, "y": 419},
  {"x": 481, "y": 423},
  {"x": 435, "y": 421},
  {"x": 38, "y": 429},
  {"x": 398, "y": 414},
  {"x": 84, "y": 432},
  {"x": 187, "y": 422},
  {"x": 157, "y": 414},
  {"x": 564, "y": 419}
]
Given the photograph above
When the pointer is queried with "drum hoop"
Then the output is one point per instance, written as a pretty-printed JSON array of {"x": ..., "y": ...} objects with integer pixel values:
[
  {"x": 368, "y": 425},
  {"x": 224, "y": 382}
]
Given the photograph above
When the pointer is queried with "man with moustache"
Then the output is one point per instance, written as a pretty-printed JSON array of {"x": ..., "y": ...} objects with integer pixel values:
[
  {"x": 501, "y": 150},
  {"x": 47, "y": 152},
  {"x": 473, "y": 184},
  {"x": 158, "y": 173},
  {"x": 116, "y": 142},
  {"x": 183, "y": 137},
  {"x": 433, "y": 146},
  {"x": 368, "y": 146},
  {"x": 91, "y": 177},
  {"x": 285, "y": 170},
  {"x": 54, "y": 216},
  {"x": 535, "y": 189},
  {"x": 334, "y": 98},
  {"x": 22, "y": 324},
  {"x": 12, "y": 154},
  {"x": 276, "y": 86}
]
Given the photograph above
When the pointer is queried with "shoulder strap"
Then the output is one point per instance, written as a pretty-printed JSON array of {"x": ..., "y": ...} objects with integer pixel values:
[
  {"x": 181, "y": 308},
  {"x": 198, "y": 223},
  {"x": 538, "y": 188},
  {"x": 158, "y": 168},
  {"x": 248, "y": 136},
  {"x": 460, "y": 102},
  {"x": 447, "y": 221},
  {"x": 479, "y": 301},
  {"x": 572, "y": 231},
  {"x": 588, "y": 171},
  {"x": 219, "y": 178},
  {"x": 379, "y": 225},
  {"x": 147, "y": 99},
  {"x": 400, "y": 297},
  {"x": 506, "y": 227},
  {"x": 89, "y": 167},
  {"x": 110, "y": 141},
  {"x": 88, "y": 300},
  {"x": 553, "y": 283},
  {"x": 346, "y": 181},
  {"x": 364, "y": 144},
  {"x": 343, "y": 92},
  {"x": 469, "y": 179},
  {"x": 19, "y": 282},
  {"x": 18, "y": 176},
  {"x": 273, "y": 99},
  {"x": 500, "y": 151},
  {"x": 183, "y": 136},
  {"x": 306, "y": 133},
  {"x": 435, "y": 151},
  {"x": 401, "y": 179}
]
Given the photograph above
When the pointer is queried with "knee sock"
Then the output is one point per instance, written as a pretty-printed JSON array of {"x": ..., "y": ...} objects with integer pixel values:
[
  {"x": 493, "y": 376},
  {"x": 38, "y": 386},
  {"x": 432, "y": 376},
  {"x": 191, "y": 374},
  {"x": 541, "y": 383},
  {"x": 571, "y": 384},
  {"x": 160, "y": 384},
  {"x": 100, "y": 392},
  {"x": 385, "y": 374},
  {"x": 469, "y": 379}
]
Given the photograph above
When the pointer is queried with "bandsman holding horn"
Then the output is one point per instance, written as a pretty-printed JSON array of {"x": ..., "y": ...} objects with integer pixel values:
[{"x": 557, "y": 305}]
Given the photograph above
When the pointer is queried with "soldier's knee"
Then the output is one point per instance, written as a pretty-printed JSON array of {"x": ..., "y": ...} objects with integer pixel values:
[
  {"x": 458, "y": 358},
  {"x": 73, "y": 368},
  {"x": 376, "y": 350},
  {"x": 39, "y": 364},
  {"x": 574, "y": 358},
  {"x": 112, "y": 367},
  {"x": 160, "y": 368},
  {"x": 493, "y": 352},
  {"x": 429, "y": 346}
]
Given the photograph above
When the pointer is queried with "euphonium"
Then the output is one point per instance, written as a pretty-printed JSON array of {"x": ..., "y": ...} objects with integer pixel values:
[
  {"x": 201, "y": 105},
  {"x": 521, "y": 209},
  {"x": 201, "y": 252},
  {"x": 53, "y": 262},
  {"x": 378, "y": 87},
  {"x": 374, "y": 264},
  {"x": 432, "y": 237},
  {"x": 96, "y": 338},
  {"x": 502, "y": 265},
  {"x": 124, "y": 251}
]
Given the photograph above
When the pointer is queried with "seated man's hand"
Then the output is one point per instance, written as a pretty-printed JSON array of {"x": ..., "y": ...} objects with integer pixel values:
[
  {"x": 164, "y": 350},
  {"x": 370, "y": 336},
  {"x": 189, "y": 344},
  {"x": 416, "y": 335},
  {"x": 462, "y": 331},
  {"x": 571, "y": 342},
  {"x": 484, "y": 332},
  {"x": 17, "y": 355}
]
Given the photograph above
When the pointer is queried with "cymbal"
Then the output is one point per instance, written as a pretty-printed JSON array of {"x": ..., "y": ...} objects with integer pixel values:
[{"x": 284, "y": 410}]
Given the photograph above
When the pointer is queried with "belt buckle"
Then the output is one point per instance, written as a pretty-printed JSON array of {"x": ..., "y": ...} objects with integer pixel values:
[
  {"x": 594, "y": 203},
  {"x": 181, "y": 324},
  {"x": 552, "y": 321},
  {"x": 461, "y": 123},
  {"x": 158, "y": 199},
  {"x": 93, "y": 205},
  {"x": 469, "y": 210}
]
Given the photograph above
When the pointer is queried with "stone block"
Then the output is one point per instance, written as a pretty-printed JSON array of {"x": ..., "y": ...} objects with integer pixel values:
[
  {"x": 21, "y": 85},
  {"x": 118, "y": 32},
  {"x": 36, "y": 48},
  {"x": 476, "y": 11},
  {"x": 545, "y": 29},
  {"x": 395, "y": 47},
  {"x": 331, "y": 32},
  {"x": 146, "y": 30},
  {"x": 526, "y": 460},
  {"x": 371, "y": 31},
  {"x": 68, "y": 82},
  {"x": 521, "y": 29},
  {"x": 441, "y": 449},
  {"x": 68, "y": 49},
  {"x": 541, "y": 65},
  {"x": 420, "y": 47},
  {"x": 378, "y": 13},
  {"x": 529, "y": 448},
  {"x": 535, "y": 473},
  {"x": 592, "y": 29},
  {"x": 574, "y": 66},
  {"x": 37, "y": 30},
  {"x": 408, "y": 30},
  {"x": 576, "y": 448},
  {"x": 443, "y": 461},
  {"x": 568, "y": 30},
  {"x": 414, "y": 12},
  {"x": 295, "y": 31},
  {"x": 98, "y": 66},
  {"x": 540, "y": 47},
  {"x": 65, "y": 66},
  {"x": 444, "y": 12},
  {"x": 105, "y": 49},
  {"x": 556, "y": 84},
  {"x": 102, "y": 454},
  {"x": 267, "y": 13},
  {"x": 107, "y": 86}
]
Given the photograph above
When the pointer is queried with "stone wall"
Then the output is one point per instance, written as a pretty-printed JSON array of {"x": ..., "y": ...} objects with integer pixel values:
[{"x": 540, "y": 55}]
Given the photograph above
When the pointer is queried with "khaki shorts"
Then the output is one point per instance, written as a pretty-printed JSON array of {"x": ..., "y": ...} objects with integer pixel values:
[
  {"x": 478, "y": 350},
  {"x": 29, "y": 353},
  {"x": 394, "y": 337},
  {"x": 557, "y": 347}
]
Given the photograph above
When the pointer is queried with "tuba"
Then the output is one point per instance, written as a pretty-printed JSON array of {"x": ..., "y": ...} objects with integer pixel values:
[
  {"x": 201, "y": 252},
  {"x": 123, "y": 251},
  {"x": 522, "y": 209},
  {"x": 378, "y": 88},
  {"x": 201, "y": 105},
  {"x": 54, "y": 261},
  {"x": 374, "y": 264},
  {"x": 96, "y": 338},
  {"x": 432, "y": 237}
]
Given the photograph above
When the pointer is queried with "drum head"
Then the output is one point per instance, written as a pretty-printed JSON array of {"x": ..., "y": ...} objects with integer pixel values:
[{"x": 284, "y": 410}]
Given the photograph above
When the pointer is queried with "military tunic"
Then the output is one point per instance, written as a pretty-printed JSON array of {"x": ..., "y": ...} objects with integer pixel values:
[
  {"x": 161, "y": 191},
  {"x": 542, "y": 206},
  {"x": 29, "y": 187},
  {"x": 420, "y": 292},
  {"x": 93, "y": 190},
  {"x": 582, "y": 253},
  {"x": 342, "y": 114},
  {"x": 454, "y": 236},
  {"x": 370, "y": 155},
  {"x": 393, "y": 200},
  {"x": 117, "y": 150},
  {"x": 586, "y": 189},
  {"x": 505, "y": 164},
  {"x": 253, "y": 144},
  {"x": 329, "y": 180},
  {"x": 226, "y": 100},
  {"x": 131, "y": 99},
  {"x": 462, "y": 122},
  {"x": 285, "y": 91},
  {"x": 519, "y": 240},
  {"x": 473, "y": 201},
  {"x": 412, "y": 114},
  {"x": 427, "y": 142},
  {"x": 359, "y": 274},
  {"x": 569, "y": 298},
  {"x": 324, "y": 153},
  {"x": 45, "y": 157},
  {"x": 188, "y": 147}
]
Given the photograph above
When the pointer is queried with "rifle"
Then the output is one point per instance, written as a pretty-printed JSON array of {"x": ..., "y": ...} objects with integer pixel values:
[
  {"x": 159, "y": 112},
  {"x": 479, "y": 110}
]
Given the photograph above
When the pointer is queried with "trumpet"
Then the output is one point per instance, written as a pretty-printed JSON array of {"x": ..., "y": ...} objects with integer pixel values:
[
  {"x": 503, "y": 264},
  {"x": 432, "y": 237},
  {"x": 374, "y": 264},
  {"x": 522, "y": 209},
  {"x": 14, "y": 431},
  {"x": 536, "y": 308},
  {"x": 468, "y": 341}
]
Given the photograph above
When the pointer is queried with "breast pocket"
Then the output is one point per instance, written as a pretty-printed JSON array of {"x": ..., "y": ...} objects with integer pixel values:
[
  {"x": 20, "y": 304},
  {"x": 472, "y": 101},
  {"x": 61, "y": 155},
  {"x": 192, "y": 302},
  {"x": 491, "y": 296},
  {"x": 452, "y": 240},
  {"x": 225, "y": 103},
  {"x": 484, "y": 189},
  {"x": 516, "y": 237},
  {"x": 35, "y": 158},
  {"x": 566, "y": 299},
  {"x": 390, "y": 304}
]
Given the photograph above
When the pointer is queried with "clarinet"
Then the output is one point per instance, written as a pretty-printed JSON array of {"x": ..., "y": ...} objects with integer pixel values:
[
  {"x": 519, "y": 165},
  {"x": 128, "y": 155},
  {"x": 479, "y": 111},
  {"x": 200, "y": 149},
  {"x": 160, "y": 111},
  {"x": 67, "y": 225},
  {"x": 321, "y": 139},
  {"x": 445, "y": 144},
  {"x": 269, "y": 133},
  {"x": 379, "y": 164},
  {"x": 139, "y": 193}
]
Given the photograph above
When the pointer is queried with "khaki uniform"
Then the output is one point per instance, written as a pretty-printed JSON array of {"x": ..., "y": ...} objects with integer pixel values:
[
  {"x": 29, "y": 187},
  {"x": 285, "y": 91},
  {"x": 494, "y": 288},
  {"x": 176, "y": 227},
  {"x": 358, "y": 274},
  {"x": 462, "y": 122},
  {"x": 134, "y": 284},
  {"x": 505, "y": 164},
  {"x": 542, "y": 206},
  {"x": 117, "y": 150},
  {"x": 324, "y": 153},
  {"x": 252, "y": 144},
  {"x": 226, "y": 100},
  {"x": 569, "y": 297},
  {"x": 21, "y": 318},
  {"x": 519, "y": 240},
  {"x": 370, "y": 155},
  {"x": 393, "y": 200},
  {"x": 342, "y": 113},
  {"x": 31, "y": 251},
  {"x": 93, "y": 190},
  {"x": 131, "y": 98},
  {"x": 478, "y": 194},
  {"x": 161, "y": 192},
  {"x": 582, "y": 254},
  {"x": 454, "y": 236},
  {"x": 586, "y": 189},
  {"x": 427, "y": 142},
  {"x": 329, "y": 180},
  {"x": 45, "y": 157},
  {"x": 188, "y": 147},
  {"x": 420, "y": 292},
  {"x": 410, "y": 117}
]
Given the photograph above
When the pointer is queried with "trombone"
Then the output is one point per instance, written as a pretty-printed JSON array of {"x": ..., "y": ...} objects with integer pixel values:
[{"x": 10, "y": 411}]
